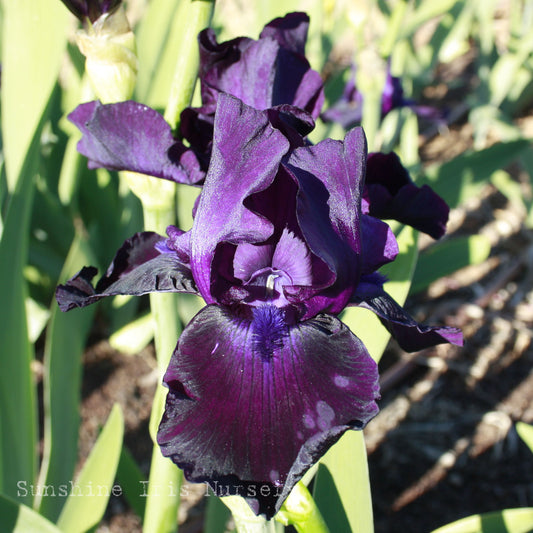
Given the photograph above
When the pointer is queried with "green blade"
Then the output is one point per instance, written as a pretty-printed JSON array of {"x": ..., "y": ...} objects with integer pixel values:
[
  {"x": 17, "y": 518},
  {"x": 507, "y": 521},
  {"x": 34, "y": 39},
  {"x": 90, "y": 492},
  {"x": 445, "y": 257},
  {"x": 65, "y": 342},
  {"x": 17, "y": 393}
]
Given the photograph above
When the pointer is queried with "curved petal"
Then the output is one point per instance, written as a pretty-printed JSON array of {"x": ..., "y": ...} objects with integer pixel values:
[
  {"x": 289, "y": 31},
  {"x": 253, "y": 404},
  {"x": 132, "y": 136},
  {"x": 139, "y": 267},
  {"x": 379, "y": 244},
  {"x": 411, "y": 335},
  {"x": 330, "y": 179},
  {"x": 392, "y": 194},
  {"x": 247, "y": 151},
  {"x": 264, "y": 73}
]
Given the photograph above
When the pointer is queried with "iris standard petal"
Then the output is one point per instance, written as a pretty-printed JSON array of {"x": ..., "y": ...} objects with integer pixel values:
[
  {"x": 138, "y": 268},
  {"x": 289, "y": 31},
  {"x": 411, "y": 335},
  {"x": 379, "y": 244},
  {"x": 247, "y": 152},
  {"x": 264, "y": 73},
  {"x": 253, "y": 404},
  {"x": 330, "y": 180},
  {"x": 390, "y": 193},
  {"x": 132, "y": 136}
]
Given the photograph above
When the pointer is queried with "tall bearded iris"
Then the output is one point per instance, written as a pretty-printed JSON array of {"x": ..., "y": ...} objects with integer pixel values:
[{"x": 265, "y": 378}]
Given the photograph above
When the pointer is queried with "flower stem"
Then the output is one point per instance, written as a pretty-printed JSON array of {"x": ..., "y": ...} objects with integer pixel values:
[
  {"x": 195, "y": 15},
  {"x": 245, "y": 520},
  {"x": 301, "y": 511},
  {"x": 165, "y": 478}
]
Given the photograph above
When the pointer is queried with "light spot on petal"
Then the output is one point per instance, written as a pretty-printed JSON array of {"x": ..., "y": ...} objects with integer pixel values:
[
  {"x": 309, "y": 422},
  {"x": 341, "y": 381},
  {"x": 326, "y": 415},
  {"x": 274, "y": 478}
]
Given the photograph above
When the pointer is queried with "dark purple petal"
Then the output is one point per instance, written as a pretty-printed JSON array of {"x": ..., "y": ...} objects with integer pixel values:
[
  {"x": 247, "y": 151},
  {"x": 265, "y": 73},
  {"x": 289, "y": 31},
  {"x": 91, "y": 9},
  {"x": 390, "y": 193},
  {"x": 411, "y": 335},
  {"x": 138, "y": 268},
  {"x": 131, "y": 136},
  {"x": 295, "y": 123},
  {"x": 253, "y": 404},
  {"x": 392, "y": 96},
  {"x": 379, "y": 244},
  {"x": 348, "y": 110},
  {"x": 330, "y": 181}
]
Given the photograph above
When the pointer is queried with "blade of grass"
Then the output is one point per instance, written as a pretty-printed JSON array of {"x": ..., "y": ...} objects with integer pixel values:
[
  {"x": 65, "y": 342},
  {"x": 17, "y": 518},
  {"x": 507, "y": 521},
  {"x": 464, "y": 176},
  {"x": 17, "y": 392},
  {"x": 131, "y": 478},
  {"x": 446, "y": 257},
  {"x": 90, "y": 492},
  {"x": 342, "y": 486},
  {"x": 34, "y": 39}
]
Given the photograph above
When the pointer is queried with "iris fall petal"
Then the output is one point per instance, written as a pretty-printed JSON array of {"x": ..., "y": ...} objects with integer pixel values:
[
  {"x": 253, "y": 404},
  {"x": 132, "y": 136},
  {"x": 138, "y": 268}
]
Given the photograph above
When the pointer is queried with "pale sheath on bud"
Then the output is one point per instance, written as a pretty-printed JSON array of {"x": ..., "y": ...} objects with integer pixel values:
[{"x": 107, "y": 42}]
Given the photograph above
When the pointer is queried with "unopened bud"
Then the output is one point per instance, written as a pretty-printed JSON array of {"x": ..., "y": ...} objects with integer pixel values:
[{"x": 108, "y": 45}]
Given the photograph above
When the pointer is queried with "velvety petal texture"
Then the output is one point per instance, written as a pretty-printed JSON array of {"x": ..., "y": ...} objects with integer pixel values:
[
  {"x": 138, "y": 268},
  {"x": 91, "y": 9},
  {"x": 410, "y": 335},
  {"x": 132, "y": 136},
  {"x": 390, "y": 193},
  {"x": 246, "y": 154},
  {"x": 265, "y": 73},
  {"x": 253, "y": 404},
  {"x": 330, "y": 181}
]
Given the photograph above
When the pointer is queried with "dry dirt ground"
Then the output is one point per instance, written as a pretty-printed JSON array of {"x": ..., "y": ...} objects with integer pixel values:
[{"x": 444, "y": 444}]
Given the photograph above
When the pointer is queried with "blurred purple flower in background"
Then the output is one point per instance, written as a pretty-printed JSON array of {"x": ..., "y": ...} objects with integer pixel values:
[
  {"x": 348, "y": 109},
  {"x": 265, "y": 378}
]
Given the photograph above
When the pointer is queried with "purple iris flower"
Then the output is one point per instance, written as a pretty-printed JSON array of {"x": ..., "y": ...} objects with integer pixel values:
[
  {"x": 269, "y": 73},
  {"x": 265, "y": 378},
  {"x": 91, "y": 9},
  {"x": 348, "y": 110}
]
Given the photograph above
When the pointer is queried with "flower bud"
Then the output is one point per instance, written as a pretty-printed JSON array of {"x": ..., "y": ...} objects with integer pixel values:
[
  {"x": 91, "y": 9},
  {"x": 111, "y": 63}
]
